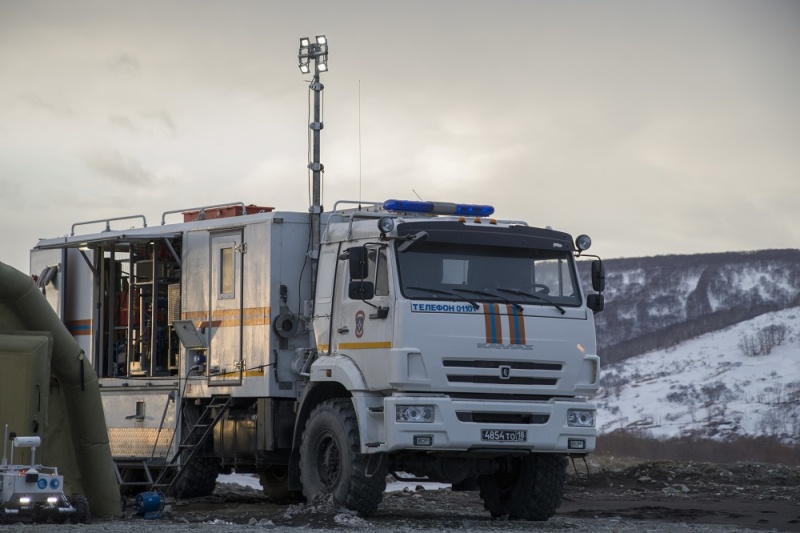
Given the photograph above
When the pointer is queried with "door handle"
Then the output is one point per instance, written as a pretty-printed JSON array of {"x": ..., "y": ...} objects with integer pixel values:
[{"x": 343, "y": 329}]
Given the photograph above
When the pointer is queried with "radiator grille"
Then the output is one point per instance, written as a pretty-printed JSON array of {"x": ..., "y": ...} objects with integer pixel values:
[{"x": 502, "y": 372}]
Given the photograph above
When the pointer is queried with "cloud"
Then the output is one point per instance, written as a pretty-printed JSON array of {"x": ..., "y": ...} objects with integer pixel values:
[
  {"x": 161, "y": 121},
  {"x": 110, "y": 163},
  {"x": 124, "y": 64},
  {"x": 10, "y": 194},
  {"x": 145, "y": 122},
  {"x": 123, "y": 122},
  {"x": 59, "y": 109}
]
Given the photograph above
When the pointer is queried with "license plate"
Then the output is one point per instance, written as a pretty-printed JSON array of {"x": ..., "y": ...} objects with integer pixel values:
[{"x": 504, "y": 435}]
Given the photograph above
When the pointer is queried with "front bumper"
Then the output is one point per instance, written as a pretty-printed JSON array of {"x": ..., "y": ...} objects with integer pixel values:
[{"x": 458, "y": 426}]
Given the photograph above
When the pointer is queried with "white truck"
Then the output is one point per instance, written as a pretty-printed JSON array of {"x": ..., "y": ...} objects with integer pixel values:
[
  {"x": 446, "y": 346},
  {"x": 324, "y": 350}
]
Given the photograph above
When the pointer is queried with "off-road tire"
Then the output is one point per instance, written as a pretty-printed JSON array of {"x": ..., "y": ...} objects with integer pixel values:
[
  {"x": 198, "y": 479},
  {"x": 81, "y": 504},
  {"x": 530, "y": 488},
  {"x": 275, "y": 484},
  {"x": 332, "y": 465}
]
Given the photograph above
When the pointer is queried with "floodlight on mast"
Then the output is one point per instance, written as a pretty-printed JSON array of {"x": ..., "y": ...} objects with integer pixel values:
[{"x": 317, "y": 51}]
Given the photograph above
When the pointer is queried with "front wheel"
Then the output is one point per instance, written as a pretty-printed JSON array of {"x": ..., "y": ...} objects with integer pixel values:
[
  {"x": 530, "y": 488},
  {"x": 331, "y": 463}
]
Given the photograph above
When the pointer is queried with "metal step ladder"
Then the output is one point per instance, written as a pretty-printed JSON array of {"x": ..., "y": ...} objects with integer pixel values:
[{"x": 192, "y": 442}]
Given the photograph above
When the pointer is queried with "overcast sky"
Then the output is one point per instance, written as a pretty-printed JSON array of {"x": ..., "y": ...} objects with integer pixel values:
[{"x": 655, "y": 127}]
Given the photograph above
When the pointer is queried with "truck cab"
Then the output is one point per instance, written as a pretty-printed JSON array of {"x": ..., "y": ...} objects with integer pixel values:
[{"x": 466, "y": 343}]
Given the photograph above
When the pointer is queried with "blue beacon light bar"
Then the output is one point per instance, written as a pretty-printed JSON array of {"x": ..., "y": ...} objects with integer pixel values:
[{"x": 438, "y": 208}]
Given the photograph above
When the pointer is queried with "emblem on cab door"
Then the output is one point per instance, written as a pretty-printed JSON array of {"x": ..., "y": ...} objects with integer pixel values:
[{"x": 360, "y": 316}]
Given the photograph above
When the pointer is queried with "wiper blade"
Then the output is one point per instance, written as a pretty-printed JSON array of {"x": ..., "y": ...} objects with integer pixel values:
[
  {"x": 487, "y": 293},
  {"x": 446, "y": 293},
  {"x": 537, "y": 296}
]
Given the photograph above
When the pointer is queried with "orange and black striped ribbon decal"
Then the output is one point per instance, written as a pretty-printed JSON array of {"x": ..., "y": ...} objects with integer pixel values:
[
  {"x": 494, "y": 326},
  {"x": 516, "y": 325}
]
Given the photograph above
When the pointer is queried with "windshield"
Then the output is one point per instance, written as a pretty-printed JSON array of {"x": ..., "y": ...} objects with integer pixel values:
[{"x": 527, "y": 276}]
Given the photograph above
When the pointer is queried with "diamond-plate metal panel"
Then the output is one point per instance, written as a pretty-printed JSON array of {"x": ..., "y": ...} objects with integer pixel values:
[{"x": 138, "y": 442}]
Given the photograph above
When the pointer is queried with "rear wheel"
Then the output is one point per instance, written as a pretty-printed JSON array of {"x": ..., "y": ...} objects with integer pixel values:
[
  {"x": 198, "y": 477},
  {"x": 81, "y": 504},
  {"x": 275, "y": 483},
  {"x": 530, "y": 488},
  {"x": 331, "y": 463}
]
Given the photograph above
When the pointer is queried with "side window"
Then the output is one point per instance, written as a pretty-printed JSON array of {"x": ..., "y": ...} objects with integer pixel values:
[
  {"x": 555, "y": 275},
  {"x": 226, "y": 272},
  {"x": 379, "y": 271}
]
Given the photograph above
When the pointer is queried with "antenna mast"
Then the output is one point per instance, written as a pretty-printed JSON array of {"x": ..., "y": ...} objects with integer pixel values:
[{"x": 318, "y": 52}]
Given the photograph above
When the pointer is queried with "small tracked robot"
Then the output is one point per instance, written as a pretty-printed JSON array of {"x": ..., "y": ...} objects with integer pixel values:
[{"x": 35, "y": 492}]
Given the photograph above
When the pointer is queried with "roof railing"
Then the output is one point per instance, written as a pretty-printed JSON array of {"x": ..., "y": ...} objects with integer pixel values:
[{"x": 107, "y": 222}]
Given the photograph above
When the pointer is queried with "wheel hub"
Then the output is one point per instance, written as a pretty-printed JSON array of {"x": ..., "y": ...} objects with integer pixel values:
[{"x": 329, "y": 460}]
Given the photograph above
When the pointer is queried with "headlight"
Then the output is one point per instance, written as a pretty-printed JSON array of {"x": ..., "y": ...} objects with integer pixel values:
[
  {"x": 580, "y": 419},
  {"x": 415, "y": 413}
]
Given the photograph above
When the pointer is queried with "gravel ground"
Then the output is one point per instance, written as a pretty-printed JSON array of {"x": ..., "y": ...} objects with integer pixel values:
[{"x": 651, "y": 497}]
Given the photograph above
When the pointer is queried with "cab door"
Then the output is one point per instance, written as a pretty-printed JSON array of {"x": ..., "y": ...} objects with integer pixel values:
[
  {"x": 225, "y": 309},
  {"x": 362, "y": 322}
]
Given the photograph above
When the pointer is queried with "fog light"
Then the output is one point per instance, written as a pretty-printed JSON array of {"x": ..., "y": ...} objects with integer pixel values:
[
  {"x": 414, "y": 413},
  {"x": 576, "y": 444},
  {"x": 580, "y": 419},
  {"x": 423, "y": 440}
]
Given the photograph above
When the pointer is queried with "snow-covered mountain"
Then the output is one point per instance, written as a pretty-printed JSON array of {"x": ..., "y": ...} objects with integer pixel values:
[
  {"x": 709, "y": 387},
  {"x": 658, "y": 302}
]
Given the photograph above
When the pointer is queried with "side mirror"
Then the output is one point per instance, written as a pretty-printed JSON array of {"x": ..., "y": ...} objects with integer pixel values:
[
  {"x": 598, "y": 276},
  {"x": 361, "y": 290},
  {"x": 595, "y": 302},
  {"x": 359, "y": 267}
]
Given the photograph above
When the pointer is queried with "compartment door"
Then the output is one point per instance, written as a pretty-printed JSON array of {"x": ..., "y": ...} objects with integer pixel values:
[{"x": 225, "y": 314}]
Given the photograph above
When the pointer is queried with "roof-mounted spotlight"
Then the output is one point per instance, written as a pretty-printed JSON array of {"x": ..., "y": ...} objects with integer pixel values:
[
  {"x": 386, "y": 224},
  {"x": 321, "y": 39},
  {"x": 304, "y": 42},
  {"x": 304, "y": 68},
  {"x": 322, "y": 66},
  {"x": 583, "y": 242}
]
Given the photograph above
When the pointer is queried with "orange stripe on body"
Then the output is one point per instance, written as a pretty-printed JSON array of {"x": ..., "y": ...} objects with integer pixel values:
[
  {"x": 221, "y": 318},
  {"x": 79, "y": 327}
]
